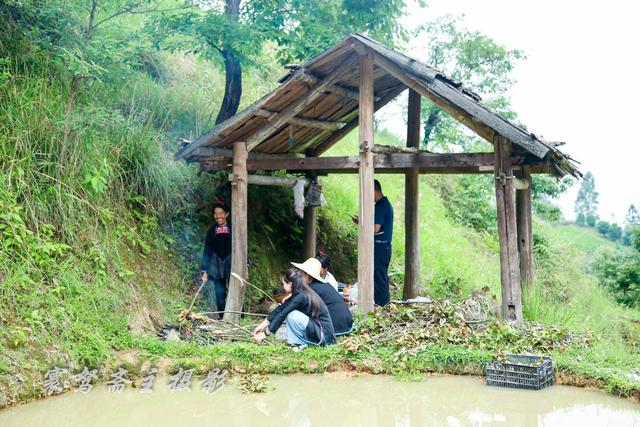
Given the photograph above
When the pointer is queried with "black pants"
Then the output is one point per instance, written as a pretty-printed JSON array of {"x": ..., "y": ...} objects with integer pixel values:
[{"x": 381, "y": 259}]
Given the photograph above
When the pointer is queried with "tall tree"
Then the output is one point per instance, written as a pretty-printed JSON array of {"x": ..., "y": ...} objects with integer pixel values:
[
  {"x": 587, "y": 199},
  {"x": 477, "y": 61},
  {"x": 633, "y": 216},
  {"x": 234, "y": 32}
]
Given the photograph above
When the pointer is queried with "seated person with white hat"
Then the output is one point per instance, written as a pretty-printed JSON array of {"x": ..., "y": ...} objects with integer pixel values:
[
  {"x": 308, "y": 320},
  {"x": 338, "y": 310}
]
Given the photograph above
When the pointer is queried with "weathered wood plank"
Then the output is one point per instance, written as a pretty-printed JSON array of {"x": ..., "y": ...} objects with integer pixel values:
[
  {"x": 239, "y": 243},
  {"x": 400, "y": 162},
  {"x": 367, "y": 203},
  {"x": 276, "y": 181},
  {"x": 227, "y": 153},
  {"x": 507, "y": 232},
  {"x": 282, "y": 117},
  {"x": 301, "y": 121},
  {"x": 525, "y": 249},
  {"x": 412, "y": 194}
]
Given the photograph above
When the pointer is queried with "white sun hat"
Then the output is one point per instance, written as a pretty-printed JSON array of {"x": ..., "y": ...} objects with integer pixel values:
[{"x": 312, "y": 267}]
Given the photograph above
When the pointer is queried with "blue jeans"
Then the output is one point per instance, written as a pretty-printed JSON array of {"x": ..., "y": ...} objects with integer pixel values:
[
  {"x": 297, "y": 323},
  {"x": 381, "y": 260},
  {"x": 215, "y": 294}
]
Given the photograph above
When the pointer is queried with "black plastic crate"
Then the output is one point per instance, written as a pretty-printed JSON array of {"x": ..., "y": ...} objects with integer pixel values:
[{"x": 521, "y": 371}]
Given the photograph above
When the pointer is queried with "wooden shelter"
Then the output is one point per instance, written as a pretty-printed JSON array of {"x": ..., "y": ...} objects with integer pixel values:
[{"x": 320, "y": 102}]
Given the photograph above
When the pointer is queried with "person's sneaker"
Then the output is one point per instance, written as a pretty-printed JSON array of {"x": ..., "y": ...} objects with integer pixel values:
[{"x": 298, "y": 347}]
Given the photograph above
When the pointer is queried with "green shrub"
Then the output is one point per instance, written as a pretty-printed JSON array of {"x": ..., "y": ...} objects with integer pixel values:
[
  {"x": 603, "y": 227},
  {"x": 615, "y": 232},
  {"x": 619, "y": 273}
]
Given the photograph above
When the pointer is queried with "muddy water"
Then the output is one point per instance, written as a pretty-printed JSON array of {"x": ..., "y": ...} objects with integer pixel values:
[{"x": 333, "y": 401}]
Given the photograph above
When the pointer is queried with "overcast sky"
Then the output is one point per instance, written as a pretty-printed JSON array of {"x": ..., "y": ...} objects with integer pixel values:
[{"x": 578, "y": 83}]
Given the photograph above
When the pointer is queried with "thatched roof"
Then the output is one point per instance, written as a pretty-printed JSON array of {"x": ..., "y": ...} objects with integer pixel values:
[{"x": 323, "y": 94}]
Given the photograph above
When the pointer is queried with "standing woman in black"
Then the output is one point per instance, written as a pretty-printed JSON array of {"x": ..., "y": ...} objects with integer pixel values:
[{"x": 216, "y": 259}]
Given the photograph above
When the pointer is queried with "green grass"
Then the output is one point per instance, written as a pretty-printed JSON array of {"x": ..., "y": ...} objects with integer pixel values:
[{"x": 588, "y": 240}]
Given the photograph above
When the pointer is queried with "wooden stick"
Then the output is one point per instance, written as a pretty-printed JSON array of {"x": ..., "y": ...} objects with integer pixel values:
[
  {"x": 197, "y": 293},
  {"x": 239, "y": 312},
  {"x": 237, "y": 276}
]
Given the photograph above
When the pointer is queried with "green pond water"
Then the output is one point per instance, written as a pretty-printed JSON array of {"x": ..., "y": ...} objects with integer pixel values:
[{"x": 329, "y": 400}]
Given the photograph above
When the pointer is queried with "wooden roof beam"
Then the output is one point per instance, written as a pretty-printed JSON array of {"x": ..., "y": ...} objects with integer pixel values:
[
  {"x": 283, "y": 117},
  {"x": 400, "y": 74},
  {"x": 222, "y": 129},
  {"x": 348, "y": 93},
  {"x": 398, "y": 162},
  {"x": 226, "y": 153},
  {"x": 304, "y": 122},
  {"x": 335, "y": 89}
]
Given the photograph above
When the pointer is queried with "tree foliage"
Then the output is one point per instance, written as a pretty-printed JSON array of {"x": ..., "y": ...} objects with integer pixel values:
[
  {"x": 633, "y": 216},
  {"x": 477, "y": 61},
  {"x": 615, "y": 232},
  {"x": 234, "y": 32},
  {"x": 587, "y": 199},
  {"x": 620, "y": 274},
  {"x": 603, "y": 227}
]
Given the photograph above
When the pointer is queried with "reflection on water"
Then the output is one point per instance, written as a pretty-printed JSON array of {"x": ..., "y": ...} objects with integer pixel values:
[{"x": 329, "y": 401}]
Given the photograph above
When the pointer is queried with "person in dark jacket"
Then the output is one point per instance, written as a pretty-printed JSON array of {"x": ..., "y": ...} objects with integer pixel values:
[
  {"x": 308, "y": 320},
  {"x": 216, "y": 259},
  {"x": 338, "y": 309}
]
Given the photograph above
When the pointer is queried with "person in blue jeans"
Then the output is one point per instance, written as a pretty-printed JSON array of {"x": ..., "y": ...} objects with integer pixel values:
[
  {"x": 383, "y": 235},
  {"x": 216, "y": 260},
  {"x": 382, "y": 238},
  {"x": 307, "y": 316}
]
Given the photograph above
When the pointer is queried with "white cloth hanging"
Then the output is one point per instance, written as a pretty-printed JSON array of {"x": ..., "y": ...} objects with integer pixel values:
[{"x": 298, "y": 197}]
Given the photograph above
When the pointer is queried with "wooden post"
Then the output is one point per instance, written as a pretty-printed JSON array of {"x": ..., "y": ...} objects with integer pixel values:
[
  {"x": 523, "y": 218},
  {"x": 507, "y": 232},
  {"x": 367, "y": 203},
  {"x": 310, "y": 234},
  {"x": 411, "y": 192},
  {"x": 239, "y": 190}
]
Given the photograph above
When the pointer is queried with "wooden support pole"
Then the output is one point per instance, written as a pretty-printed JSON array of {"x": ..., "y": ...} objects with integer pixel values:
[
  {"x": 366, "y": 169},
  {"x": 411, "y": 191},
  {"x": 239, "y": 244},
  {"x": 525, "y": 249},
  {"x": 507, "y": 232},
  {"x": 310, "y": 231},
  {"x": 310, "y": 226}
]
